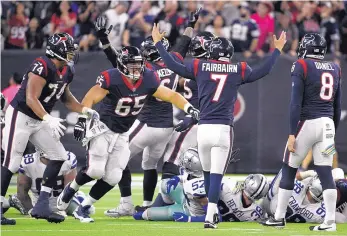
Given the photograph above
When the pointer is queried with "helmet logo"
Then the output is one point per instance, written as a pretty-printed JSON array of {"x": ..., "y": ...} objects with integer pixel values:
[
  {"x": 202, "y": 41},
  {"x": 306, "y": 40},
  {"x": 215, "y": 44},
  {"x": 125, "y": 52}
]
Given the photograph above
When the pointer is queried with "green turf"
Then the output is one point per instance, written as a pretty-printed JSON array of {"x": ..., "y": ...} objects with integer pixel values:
[{"x": 104, "y": 226}]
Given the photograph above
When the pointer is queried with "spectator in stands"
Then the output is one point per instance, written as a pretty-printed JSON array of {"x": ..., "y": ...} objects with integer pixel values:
[
  {"x": 43, "y": 11},
  {"x": 307, "y": 20},
  {"x": 13, "y": 87},
  {"x": 139, "y": 25},
  {"x": 266, "y": 25},
  {"x": 244, "y": 32},
  {"x": 169, "y": 21},
  {"x": 64, "y": 20},
  {"x": 86, "y": 17},
  {"x": 231, "y": 12},
  {"x": 34, "y": 35},
  {"x": 218, "y": 27},
  {"x": 117, "y": 17},
  {"x": 17, "y": 24},
  {"x": 330, "y": 29},
  {"x": 284, "y": 23}
]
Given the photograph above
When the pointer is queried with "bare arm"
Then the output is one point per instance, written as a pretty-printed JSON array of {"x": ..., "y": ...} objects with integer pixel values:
[
  {"x": 168, "y": 95},
  {"x": 23, "y": 187},
  {"x": 94, "y": 96},
  {"x": 33, "y": 92},
  {"x": 70, "y": 176},
  {"x": 254, "y": 44},
  {"x": 70, "y": 101}
]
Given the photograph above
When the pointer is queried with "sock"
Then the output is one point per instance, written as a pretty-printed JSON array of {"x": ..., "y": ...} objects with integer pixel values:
[
  {"x": 6, "y": 176},
  {"x": 127, "y": 199},
  {"x": 74, "y": 185},
  {"x": 211, "y": 210},
  {"x": 99, "y": 189},
  {"x": 283, "y": 199},
  {"x": 150, "y": 180},
  {"x": 207, "y": 181},
  {"x": 326, "y": 177},
  {"x": 329, "y": 196},
  {"x": 146, "y": 203},
  {"x": 125, "y": 183},
  {"x": 214, "y": 190},
  {"x": 88, "y": 201},
  {"x": 158, "y": 202},
  {"x": 46, "y": 189},
  {"x": 51, "y": 173},
  {"x": 82, "y": 178}
]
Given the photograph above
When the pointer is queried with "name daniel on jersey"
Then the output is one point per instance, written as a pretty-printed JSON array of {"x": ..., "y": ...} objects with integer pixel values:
[
  {"x": 323, "y": 66},
  {"x": 212, "y": 67}
]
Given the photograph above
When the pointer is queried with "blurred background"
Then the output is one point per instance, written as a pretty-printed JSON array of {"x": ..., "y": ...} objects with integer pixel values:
[{"x": 262, "y": 109}]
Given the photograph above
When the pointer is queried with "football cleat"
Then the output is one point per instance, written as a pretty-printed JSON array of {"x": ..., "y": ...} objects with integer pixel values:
[
  {"x": 141, "y": 208},
  {"x": 16, "y": 203},
  {"x": 212, "y": 225},
  {"x": 42, "y": 211},
  {"x": 65, "y": 198},
  {"x": 5, "y": 221},
  {"x": 82, "y": 214},
  {"x": 280, "y": 224},
  {"x": 123, "y": 209},
  {"x": 323, "y": 227}
]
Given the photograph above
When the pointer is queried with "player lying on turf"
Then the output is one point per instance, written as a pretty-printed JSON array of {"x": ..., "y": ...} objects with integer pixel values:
[
  {"x": 305, "y": 204},
  {"x": 30, "y": 178}
]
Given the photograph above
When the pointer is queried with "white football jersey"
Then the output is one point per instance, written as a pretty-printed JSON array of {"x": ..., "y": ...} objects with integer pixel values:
[
  {"x": 193, "y": 189},
  {"x": 231, "y": 207},
  {"x": 118, "y": 22},
  {"x": 32, "y": 167}
]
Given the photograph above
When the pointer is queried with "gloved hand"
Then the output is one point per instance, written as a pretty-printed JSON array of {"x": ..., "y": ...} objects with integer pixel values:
[
  {"x": 180, "y": 217},
  {"x": 79, "y": 131},
  {"x": 195, "y": 113},
  {"x": 173, "y": 182},
  {"x": 55, "y": 125},
  {"x": 193, "y": 18},
  {"x": 101, "y": 31},
  {"x": 90, "y": 113},
  {"x": 185, "y": 124}
]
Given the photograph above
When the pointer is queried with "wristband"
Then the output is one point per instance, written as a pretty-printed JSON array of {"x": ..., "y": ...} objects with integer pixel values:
[{"x": 187, "y": 107}]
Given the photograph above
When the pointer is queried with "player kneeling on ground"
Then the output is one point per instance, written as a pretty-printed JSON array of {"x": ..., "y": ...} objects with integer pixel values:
[{"x": 30, "y": 177}]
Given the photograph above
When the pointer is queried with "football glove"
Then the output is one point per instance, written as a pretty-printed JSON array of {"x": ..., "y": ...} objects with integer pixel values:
[
  {"x": 55, "y": 124},
  {"x": 172, "y": 183},
  {"x": 101, "y": 31},
  {"x": 79, "y": 131},
  {"x": 180, "y": 217},
  {"x": 195, "y": 113},
  {"x": 185, "y": 124},
  {"x": 193, "y": 18},
  {"x": 90, "y": 113}
]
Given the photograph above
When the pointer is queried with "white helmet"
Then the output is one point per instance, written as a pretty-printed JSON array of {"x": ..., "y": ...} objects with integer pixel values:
[
  {"x": 316, "y": 189},
  {"x": 190, "y": 162},
  {"x": 256, "y": 186}
]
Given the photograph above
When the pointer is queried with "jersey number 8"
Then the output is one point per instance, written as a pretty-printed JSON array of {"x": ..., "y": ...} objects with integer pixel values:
[{"x": 327, "y": 88}]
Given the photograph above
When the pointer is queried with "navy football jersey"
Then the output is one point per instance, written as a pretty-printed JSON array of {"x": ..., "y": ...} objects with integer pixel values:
[
  {"x": 242, "y": 34},
  {"x": 157, "y": 113},
  {"x": 56, "y": 82},
  {"x": 121, "y": 106},
  {"x": 341, "y": 186},
  {"x": 191, "y": 92},
  {"x": 320, "y": 79}
]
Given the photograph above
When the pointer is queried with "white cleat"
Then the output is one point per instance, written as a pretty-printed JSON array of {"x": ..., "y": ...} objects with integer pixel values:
[
  {"x": 123, "y": 209},
  {"x": 323, "y": 227}
]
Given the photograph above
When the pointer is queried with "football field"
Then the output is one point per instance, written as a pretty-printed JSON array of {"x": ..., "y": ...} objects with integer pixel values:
[{"x": 105, "y": 226}]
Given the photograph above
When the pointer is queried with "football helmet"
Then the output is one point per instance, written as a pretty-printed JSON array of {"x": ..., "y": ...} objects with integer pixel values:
[
  {"x": 316, "y": 190},
  {"x": 150, "y": 52},
  {"x": 312, "y": 45},
  {"x": 256, "y": 186},
  {"x": 190, "y": 162},
  {"x": 221, "y": 49},
  {"x": 130, "y": 62},
  {"x": 62, "y": 47},
  {"x": 200, "y": 43}
]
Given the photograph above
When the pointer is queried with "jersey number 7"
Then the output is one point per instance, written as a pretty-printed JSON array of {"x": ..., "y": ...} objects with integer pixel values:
[{"x": 220, "y": 79}]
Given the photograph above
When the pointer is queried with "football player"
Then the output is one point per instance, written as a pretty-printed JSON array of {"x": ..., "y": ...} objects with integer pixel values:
[
  {"x": 237, "y": 201},
  {"x": 27, "y": 118},
  {"x": 156, "y": 119},
  {"x": 182, "y": 194},
  {"x": 315, "y": 113},
  {"x": 122, "y": 92},
  {"x": 218, "y": 80}
]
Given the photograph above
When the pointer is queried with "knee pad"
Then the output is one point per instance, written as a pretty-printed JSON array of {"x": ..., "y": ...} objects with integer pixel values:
[
  {"x": 95, "y": 172},
  {"x": 113, "y": 177},
  {"x": 288, "y": 177}
]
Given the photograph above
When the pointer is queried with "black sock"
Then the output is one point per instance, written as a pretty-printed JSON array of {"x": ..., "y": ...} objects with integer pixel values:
[
  {"x": 51, "y": 173},
  {"x": 125, "y": 183},
  {"x": 150, "y": 179},
  {"x": 169, "y": 170},
  {"x": 82, "y": 178},
  {"x": 207, "y": 181},
  {"x": 6, "y": 176},
  {"x": 99, "y": 189}
]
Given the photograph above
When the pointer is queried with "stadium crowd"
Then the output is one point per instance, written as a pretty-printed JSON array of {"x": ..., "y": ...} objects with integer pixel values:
[{"x": 27, "y": 25}]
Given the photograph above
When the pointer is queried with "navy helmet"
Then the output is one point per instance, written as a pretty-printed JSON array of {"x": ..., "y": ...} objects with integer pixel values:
[
  {"x": 221, "y": 49},
  {"x": 200, "y": 43},
  {"x": 150, "y": 52},
  {"x": 61, "y": 46},
  {"x": 130, "y": 61},
  {"x": 312, "y": 45}
]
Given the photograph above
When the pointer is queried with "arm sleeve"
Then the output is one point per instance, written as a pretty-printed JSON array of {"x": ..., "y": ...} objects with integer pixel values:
[
  {"x": 182, "y": 45},
  {"x": 104, "y": 80},
  {"x": 111, "y": 54},
  {"x": 337, "y": 106},
  {"x": 259, "y": 72},
  {"x": 295, "y": 102},
  {"x": 176, "y": 67}
]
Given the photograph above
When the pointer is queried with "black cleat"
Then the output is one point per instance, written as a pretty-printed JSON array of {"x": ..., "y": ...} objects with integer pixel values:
[
  {"x": 5, "y": 221},
  {"x": 42, "y": 211},
  {"x": 280, "y": 224},
  {"x": 141, "y": 208}
]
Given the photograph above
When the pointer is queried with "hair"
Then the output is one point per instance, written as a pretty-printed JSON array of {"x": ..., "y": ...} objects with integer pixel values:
[{"x": 58, "y": 12}]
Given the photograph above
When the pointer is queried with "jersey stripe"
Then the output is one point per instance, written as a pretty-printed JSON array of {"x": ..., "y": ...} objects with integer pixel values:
[
  {"x": 196, "y": 66},
  {"x": 243, "y": 70},
  {"x": 107, "y": 77},
  {"x": 178, "y": 55},
  {"x": 304, "y": 66},
  {"x": 43, "y": 63},
  {"x": 136, "y": 131}
]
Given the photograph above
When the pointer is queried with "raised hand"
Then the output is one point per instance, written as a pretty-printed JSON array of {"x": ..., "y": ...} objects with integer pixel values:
[
  {"x": 156, "y": 35},
  {"x": 101, "y": 31},
  {"x": 281, "y": 41},
  {"x": 194, "y": 17}
]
